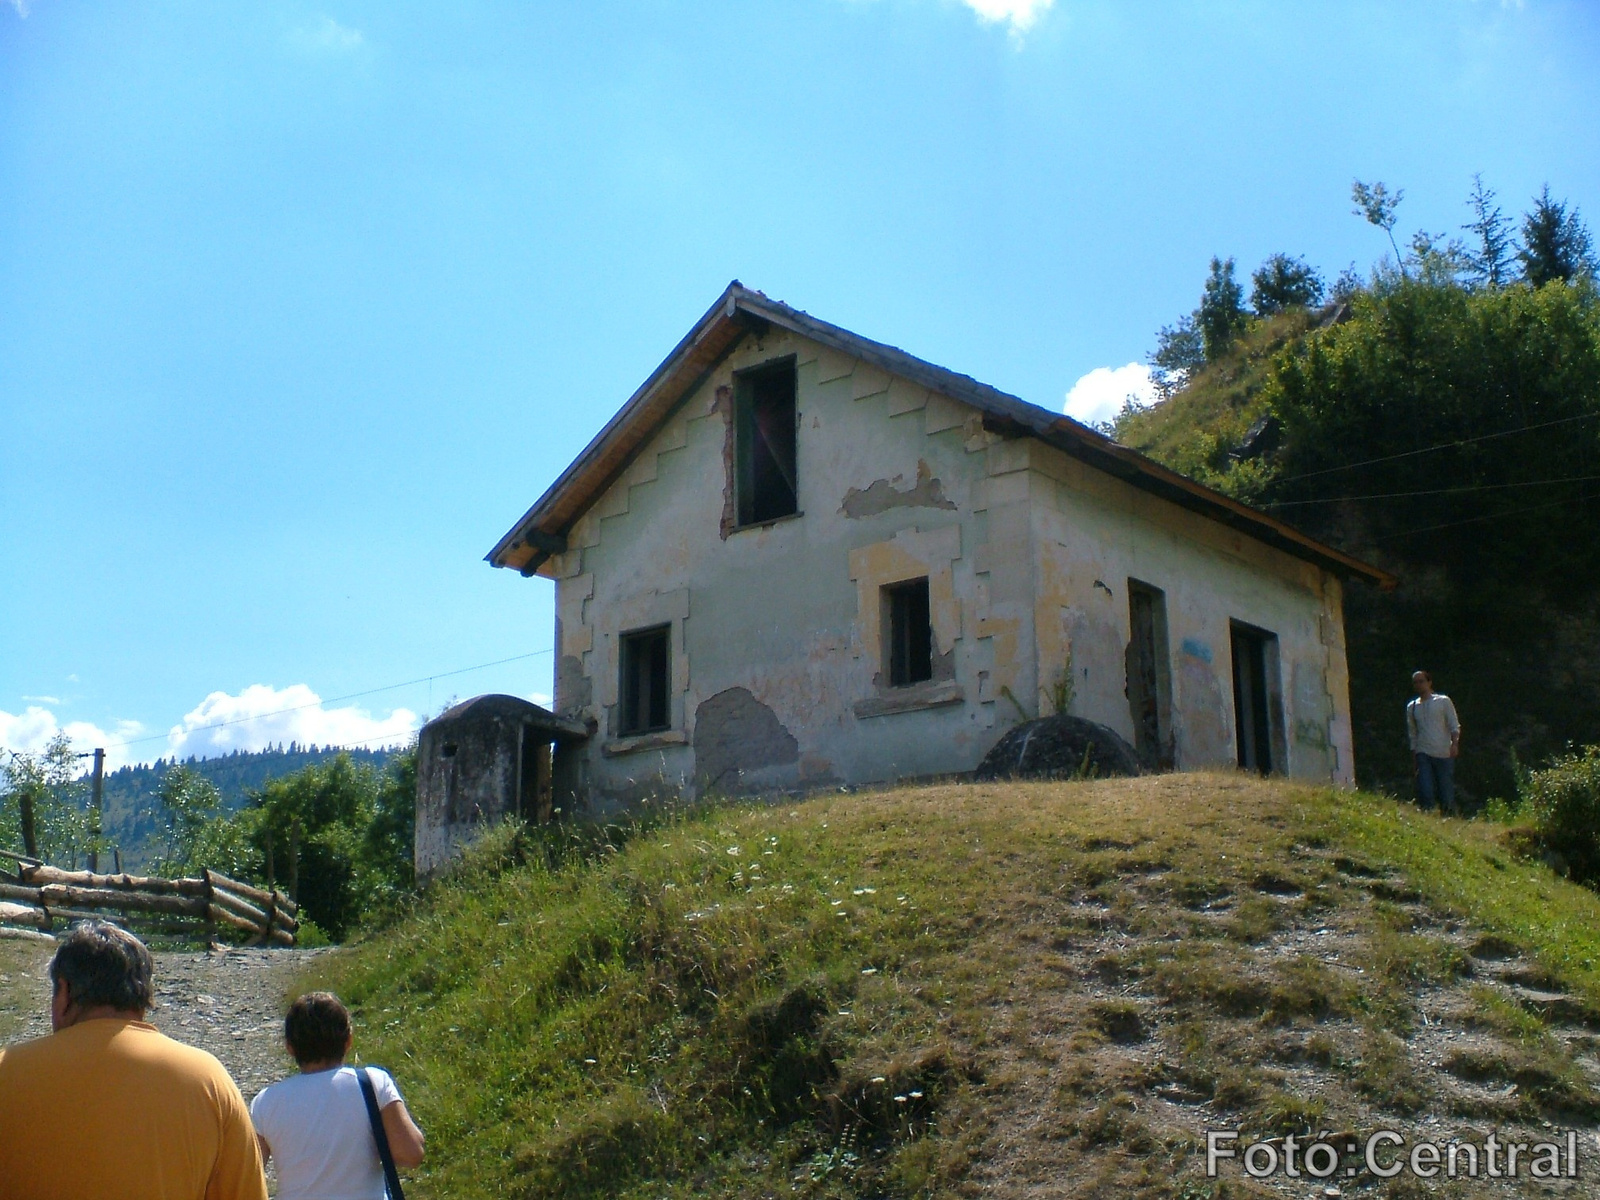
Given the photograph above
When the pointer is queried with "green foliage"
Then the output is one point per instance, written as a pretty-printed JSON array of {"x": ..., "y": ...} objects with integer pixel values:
[
  {"x": 1563, "y": 802},
  {"x": 189, "y": 803},
  {"x": 1379, "y": 207},
  {"x": 1284, "y": 282},
  {"x": 1221, "y": 316},
  {"x": 353, "y": 825},
  {"x": 1556, "y": 246},
  {"x": 42, "y": 802}
]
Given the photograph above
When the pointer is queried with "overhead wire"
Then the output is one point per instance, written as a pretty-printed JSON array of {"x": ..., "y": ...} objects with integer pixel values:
[
  {"x": 1484, "y": 487},
  {"x": 389, "y": 687},
  {"x": 1451, "y": 445}
]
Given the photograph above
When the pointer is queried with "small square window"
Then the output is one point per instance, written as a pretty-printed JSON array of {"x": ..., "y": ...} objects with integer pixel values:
[
  {"x": 764, "y": 438},
  {"x": 909, "y": 633},
  {"x": 645, "y": 657}
]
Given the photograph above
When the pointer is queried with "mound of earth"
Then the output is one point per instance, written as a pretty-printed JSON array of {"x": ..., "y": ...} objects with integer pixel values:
[{"x": 1059, "y": 747}]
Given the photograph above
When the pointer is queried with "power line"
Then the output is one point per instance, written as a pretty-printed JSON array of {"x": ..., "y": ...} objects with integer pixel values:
[
  {"x": 1514, "y": 512},
  {"x": 1485, "y": 437},
  {"x": 1484, "y": 487},
  {"x": 389, "y": 687}
]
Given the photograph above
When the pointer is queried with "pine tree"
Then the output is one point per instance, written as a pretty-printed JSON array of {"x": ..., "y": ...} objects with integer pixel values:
[
  {"x": 1555, "y": 243},
  {"x": 1221, "y": 315},
  {"x": 1493, "y": 250}
]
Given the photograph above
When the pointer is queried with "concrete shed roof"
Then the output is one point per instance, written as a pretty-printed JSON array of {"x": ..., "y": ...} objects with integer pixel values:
[
  {"x": 543, "y": 528},
  {"x": 511, "y": 710}
]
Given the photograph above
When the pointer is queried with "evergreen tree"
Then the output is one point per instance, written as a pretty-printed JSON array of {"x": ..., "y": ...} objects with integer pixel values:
[
  {"x": 1178, "y": 352},
  {"x": 1283, "y": 282},
  {"x": 1221, "y": 315},
  {"x": 1492, "y": 251},
  {"x": 1555, "y": 243}
]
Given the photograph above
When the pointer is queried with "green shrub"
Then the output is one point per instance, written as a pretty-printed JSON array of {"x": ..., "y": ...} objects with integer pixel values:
[{"x": 1563, "y": 801}]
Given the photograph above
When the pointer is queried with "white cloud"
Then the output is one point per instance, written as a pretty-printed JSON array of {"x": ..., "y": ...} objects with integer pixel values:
[
  {"x": 43, "y": 699},
  {"x": 262, "y": 715},
  {"x": 1100, "y": 394},
  {"x": 22, "y": 8},
  {"x": 33, "y": 729},
  {"x": 326, "y": 36},
  {"x": 1020, "y": 14}
]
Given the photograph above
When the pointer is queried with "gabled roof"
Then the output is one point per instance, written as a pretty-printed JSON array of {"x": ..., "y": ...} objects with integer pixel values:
[{"x": 543, "y": 528}]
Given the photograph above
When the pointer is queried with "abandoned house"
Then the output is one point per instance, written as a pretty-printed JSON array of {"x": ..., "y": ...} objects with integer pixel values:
[{"x": 797, "y": 557}]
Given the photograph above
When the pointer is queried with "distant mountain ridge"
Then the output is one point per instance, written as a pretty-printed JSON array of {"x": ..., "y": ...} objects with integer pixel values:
[{"x": 132, "y": 820}]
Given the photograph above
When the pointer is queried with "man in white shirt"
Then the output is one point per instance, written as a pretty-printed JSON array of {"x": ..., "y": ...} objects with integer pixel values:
[{"x": 1435, "y": 733}]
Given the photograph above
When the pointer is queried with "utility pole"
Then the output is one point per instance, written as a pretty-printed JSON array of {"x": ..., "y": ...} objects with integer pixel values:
[{"x": 97, "y": 804}]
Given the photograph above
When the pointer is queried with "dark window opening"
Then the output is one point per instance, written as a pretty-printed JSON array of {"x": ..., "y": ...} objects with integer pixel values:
[
  {"x": 644, "y": 681},
  {"x": 910, "y": 633},
  {"x": 764, "y": 437},
  {"x": 449, "y": 750},
  {"x": 1254, "y": 655},
  {"x": 1149, "y": 675}
]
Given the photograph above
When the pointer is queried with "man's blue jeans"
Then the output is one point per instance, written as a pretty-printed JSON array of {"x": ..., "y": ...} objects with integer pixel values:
[{"x": 1436, "y": 782}]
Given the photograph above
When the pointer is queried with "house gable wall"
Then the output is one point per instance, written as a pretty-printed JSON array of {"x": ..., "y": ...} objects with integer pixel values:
[{"x": 777, "y": 671}]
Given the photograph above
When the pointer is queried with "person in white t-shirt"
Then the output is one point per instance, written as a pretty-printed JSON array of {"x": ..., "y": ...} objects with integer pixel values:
[
  {"x": 315, "y": 1124},
  {"x": 1435, "y": 734}
]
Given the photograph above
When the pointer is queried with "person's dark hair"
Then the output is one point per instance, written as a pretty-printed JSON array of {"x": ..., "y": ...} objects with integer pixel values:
[
  {"x": 317, "y": 1028},
  {"x": 103, "y": 965}
]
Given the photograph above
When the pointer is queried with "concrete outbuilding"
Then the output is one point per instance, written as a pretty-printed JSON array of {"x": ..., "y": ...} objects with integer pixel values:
[
  {"x": 479, "y": 762},
  {"x": 797, "y": 557}
]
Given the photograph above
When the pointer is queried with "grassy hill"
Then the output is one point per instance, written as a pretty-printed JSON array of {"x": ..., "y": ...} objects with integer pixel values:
[{"x": 976, "y": 989}]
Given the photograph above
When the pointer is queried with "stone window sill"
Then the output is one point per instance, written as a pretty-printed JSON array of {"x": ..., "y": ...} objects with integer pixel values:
[
  {"x": 911, "y": 699},
  {"x": 644, "y": 741},
  {"x": 768, "y": 523}
]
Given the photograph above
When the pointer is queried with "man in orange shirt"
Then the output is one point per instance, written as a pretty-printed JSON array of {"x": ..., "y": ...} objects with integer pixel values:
[{"x": 108, "y": 1106}]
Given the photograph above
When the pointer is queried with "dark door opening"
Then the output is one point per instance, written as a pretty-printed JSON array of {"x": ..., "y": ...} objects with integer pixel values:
[
  {"x": 1254, "y": 652},
  {"x": 910, "y": 633},
  {"x": 1149, "y": 675},
  {"x": 534, "y": 793}
]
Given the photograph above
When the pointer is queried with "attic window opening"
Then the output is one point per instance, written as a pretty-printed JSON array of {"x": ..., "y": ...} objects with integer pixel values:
[
  {"x": 766, "y": 485},
  {"x": 909, "y": 632},
  {"x": 644, "y": 667}
]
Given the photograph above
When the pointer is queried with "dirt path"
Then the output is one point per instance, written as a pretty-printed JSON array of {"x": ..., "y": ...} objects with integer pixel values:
[{"x": 228, "y": 1002}]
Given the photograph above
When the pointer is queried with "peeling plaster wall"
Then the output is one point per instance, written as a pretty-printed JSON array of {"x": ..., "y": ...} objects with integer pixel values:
[
  {"x": 776, "y": 629},
  {"x": 1093, "y": 533},
  {"x": 785, "y": 617}
]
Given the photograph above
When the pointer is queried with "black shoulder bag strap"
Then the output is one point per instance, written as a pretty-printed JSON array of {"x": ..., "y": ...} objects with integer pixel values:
[{"x": 391, "y": 1177}]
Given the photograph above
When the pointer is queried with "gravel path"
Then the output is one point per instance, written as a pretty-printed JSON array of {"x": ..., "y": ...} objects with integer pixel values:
[{"x": 229, "y": 1002}]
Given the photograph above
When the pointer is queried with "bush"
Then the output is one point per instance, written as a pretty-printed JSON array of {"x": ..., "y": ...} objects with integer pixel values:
[{"x": 1563, "y": 801}]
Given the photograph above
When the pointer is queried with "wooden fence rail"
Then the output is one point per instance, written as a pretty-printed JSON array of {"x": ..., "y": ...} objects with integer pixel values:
[{"x": 35, "y": 896}]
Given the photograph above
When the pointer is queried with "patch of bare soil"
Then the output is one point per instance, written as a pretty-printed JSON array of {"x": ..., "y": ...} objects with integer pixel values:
[{"x": 1320, "y": 998}]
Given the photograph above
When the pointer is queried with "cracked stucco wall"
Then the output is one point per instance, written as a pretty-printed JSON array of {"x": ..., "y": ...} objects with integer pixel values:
[{"x": 776, "y": 629}]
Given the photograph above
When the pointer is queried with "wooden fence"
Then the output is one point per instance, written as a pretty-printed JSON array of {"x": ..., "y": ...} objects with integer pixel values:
[{"x": 34, "y": 897}]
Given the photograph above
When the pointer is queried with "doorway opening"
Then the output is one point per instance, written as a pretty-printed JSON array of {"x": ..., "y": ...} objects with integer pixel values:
[
  {"x": 1149, "y": 669},
  {"x": 1257, "y": 700}
]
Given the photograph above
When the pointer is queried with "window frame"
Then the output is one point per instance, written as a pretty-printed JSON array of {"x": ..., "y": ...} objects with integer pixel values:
[
  {"x": 630, "y": 721},
  {"x": 744, "y": 427},
  {"x": 907, "y": 658}
]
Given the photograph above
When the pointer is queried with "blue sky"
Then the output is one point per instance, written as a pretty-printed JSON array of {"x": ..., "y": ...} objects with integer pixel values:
[{"x": 305, "y": 303}]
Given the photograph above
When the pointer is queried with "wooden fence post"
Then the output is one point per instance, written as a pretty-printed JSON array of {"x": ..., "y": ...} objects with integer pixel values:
[
  {"x": 294, "y": 860},
  {"x": 211, "y": 899}
]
